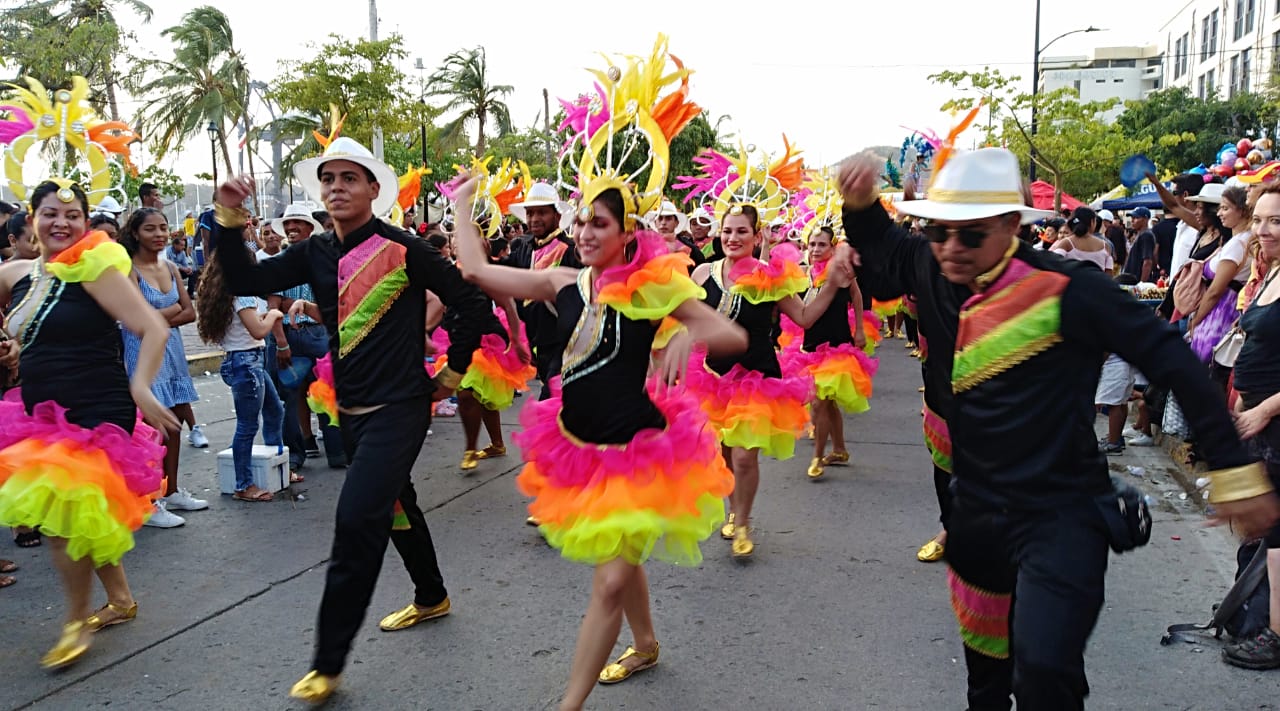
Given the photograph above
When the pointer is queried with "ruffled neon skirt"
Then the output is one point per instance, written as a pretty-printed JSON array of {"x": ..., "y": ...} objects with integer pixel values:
[
  {"x": 841, "y": 373},
  {"x": 495, "y": 373},
  {"x": 322, "y": 396},
  {"x": 871, "y": 325},
  {"x": 657, "y": 497},
  {"x": 885, "y": 309},
  {"x": 750, "y": 410},
  {"x": 92, "y": 487}
]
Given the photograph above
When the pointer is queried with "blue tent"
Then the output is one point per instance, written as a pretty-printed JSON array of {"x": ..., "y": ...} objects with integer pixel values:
[{"x": 1144, "y": 196}]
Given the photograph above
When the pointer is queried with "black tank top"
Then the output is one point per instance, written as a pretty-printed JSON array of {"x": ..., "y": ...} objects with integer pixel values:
[
  {"x": 756, "y": 319},
  {"x": 606, "y": 362},
  {"x": 832, "y": 327},
  {"x": 72, "y": 356}
]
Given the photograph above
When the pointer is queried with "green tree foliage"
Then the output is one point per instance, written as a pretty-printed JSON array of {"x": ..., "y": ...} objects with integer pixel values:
[
  {"x": 206, "y": 81},
  {"x": 1185, "y": 131},
  {"x": 463, "y": 80}
]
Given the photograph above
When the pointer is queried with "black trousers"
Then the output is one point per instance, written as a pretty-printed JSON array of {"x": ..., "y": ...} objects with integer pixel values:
[
  {"x": 912, "y": 328},
  {"x": 942, "y": 488},
  {"x": 547, "y": 359},
  {"x": 381, "y": 448},
  {"x": 1045, "y": 570}
]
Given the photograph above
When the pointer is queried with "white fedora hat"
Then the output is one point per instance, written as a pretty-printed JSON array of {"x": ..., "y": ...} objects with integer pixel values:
[
  {"x": 974, "y": 185},
  {"x": 540, "y": 195},
  {"x": 296, "y": 211},
  {"x": 1211, "y": 192},
  {"x": 668, "y": 208},
  {"x": 307, "y": 172}
]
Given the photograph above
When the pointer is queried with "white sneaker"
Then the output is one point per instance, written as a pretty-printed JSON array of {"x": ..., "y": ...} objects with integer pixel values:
[
  {"x": 182, "y": 500},
  {"x": 197, "y": 438},
  {"x": 161, "y": 518},
  {"x": 1142, "y": 440},
  {"x": 1130, "y": 431}
]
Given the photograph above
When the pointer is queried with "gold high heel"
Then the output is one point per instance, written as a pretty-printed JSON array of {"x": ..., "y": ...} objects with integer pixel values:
[
  {"x": 815, "y": 469},
  {"x": 314, "y": 688},
  {"x": 743, "y": 546},
  {"x": 492, "y": 452},
  {"x": 931, "y": 552},
  {"x": 409, "y": 616},
  {"x": 836, "y": 458},
  {"x": 617, "y": 672},
  {"x": 97, "y": 621},
  {"x": 470, "y": 460},
  {"x": 727, "y": 530},
  {"x": 69, "y": 649}
]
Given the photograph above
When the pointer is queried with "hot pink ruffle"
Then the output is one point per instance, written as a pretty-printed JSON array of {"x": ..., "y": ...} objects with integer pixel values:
[
  {"x": 137, "y": 457},
  {"x": 797, "y": 360}
]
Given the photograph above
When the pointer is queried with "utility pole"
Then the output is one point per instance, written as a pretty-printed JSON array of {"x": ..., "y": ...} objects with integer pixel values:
[
  {"x": 546, "y": 122},
  {"x": 373, "y": 37}
]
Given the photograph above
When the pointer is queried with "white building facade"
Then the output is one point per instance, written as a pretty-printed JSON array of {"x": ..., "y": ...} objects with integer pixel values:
[
  {"x": 1117, "y": 74},
  {"x": 1218, "y": 48}
]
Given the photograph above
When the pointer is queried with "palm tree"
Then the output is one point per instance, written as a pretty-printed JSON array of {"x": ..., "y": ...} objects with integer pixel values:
[
  {"x": 102, "y": 12},
  {"x": 463, "y": 79},
  {"x": 207, "y": 81}
]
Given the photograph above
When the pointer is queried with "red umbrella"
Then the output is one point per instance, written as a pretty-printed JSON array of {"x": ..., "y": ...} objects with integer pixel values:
[{"x": 1042, "y": 196}]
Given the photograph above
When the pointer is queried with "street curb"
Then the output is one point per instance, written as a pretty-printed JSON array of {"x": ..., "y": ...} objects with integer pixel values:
[
  {"x": 201, "y": 363},
  {"x": 1183, "y": 470}
]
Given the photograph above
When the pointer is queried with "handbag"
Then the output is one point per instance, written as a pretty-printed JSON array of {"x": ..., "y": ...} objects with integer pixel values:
[
  {"x": 1228, "y": 347},
  {"x": 1126, "y": 514},
  {"x": 1188, "y": 289}
]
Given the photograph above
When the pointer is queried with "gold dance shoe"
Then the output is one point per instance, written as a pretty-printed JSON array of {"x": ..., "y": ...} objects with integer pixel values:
[
  {"x": 493, "y": 451},
  {"x": 743, "y": 546},
  {"x": 412, "y": 615},
  {"x": 837, "y": 458},
  {"x": 70, "y": 647},
  {"x": 470, "y": 460},
  {"x": 532, "y": 521},
  {"x": 815, "y": 468},
  {"x": 314, "y": 688},
  {"x": 726, "y": 531},
  {"x": 617, "y": 672},
  {"x": 930, "y": 552},
  {"x": 111, "y": 614}
]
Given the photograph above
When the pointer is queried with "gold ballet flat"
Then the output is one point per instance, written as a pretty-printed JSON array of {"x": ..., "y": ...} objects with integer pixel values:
[
  {"x": 726, "y": 531},
  {"x": 617, "y": 672},
  {"x": 532, "y": 521},
  {"x": 743, "y": 546},
  {"x": 470, "y": 460},
  {"x": 836, "y": 458},
  {"x": 70, "y": 647},
  {"x": 930, "y": 552},
  {"x": 98, "y": 620},
  {"x": 314, "y": 688},
  {"x": 412, "y": 615},
  {"x": 493, "y": 451},
  {"x": 815, "y": 468}
]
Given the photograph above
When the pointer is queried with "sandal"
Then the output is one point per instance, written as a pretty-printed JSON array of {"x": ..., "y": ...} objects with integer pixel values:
[
  {"x": 27, "y": 539},
  {"x": 492, "y": 451},
  {"x": 296, "y": 478},
  {"x": 253, "y": 496},
  {"x": 7, "y": 566},
  {"x": 7, "y": 580}
]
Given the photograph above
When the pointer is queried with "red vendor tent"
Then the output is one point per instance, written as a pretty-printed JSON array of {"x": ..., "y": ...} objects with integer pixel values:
[{"x": 1042, "y": 196}]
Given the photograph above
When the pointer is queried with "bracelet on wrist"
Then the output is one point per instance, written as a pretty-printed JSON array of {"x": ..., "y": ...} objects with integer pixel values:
[{"x": 285, "y": 347}]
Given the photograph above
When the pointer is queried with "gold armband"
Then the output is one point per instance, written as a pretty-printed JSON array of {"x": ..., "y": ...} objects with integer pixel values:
[
  {"x": 449, "y": 378},
  {"x": 1238, "y": 483},
  {"x": 230, "y": 217}
]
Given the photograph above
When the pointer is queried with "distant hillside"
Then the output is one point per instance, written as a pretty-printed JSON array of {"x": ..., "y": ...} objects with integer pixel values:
[{"x": 887, "y": 152}]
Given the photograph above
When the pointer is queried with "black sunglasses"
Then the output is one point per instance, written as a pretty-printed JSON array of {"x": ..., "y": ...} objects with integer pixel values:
[{"x": 970, "y": 237}]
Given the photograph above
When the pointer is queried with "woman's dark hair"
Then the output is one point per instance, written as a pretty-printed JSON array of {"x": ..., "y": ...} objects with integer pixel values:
[
  {"x": 48, "y": 187},
  {"x": 438, "y": 241},
  {"x": 215, "y": 305},
  {"x": 751, "y": 213},
  {"x": 1055, "y": 222},
  {"x": 103, "y": 219},
  {"x": 1211, "y": 223},
  {"x": 16, "y": 224},
  {"x": 497, "y": 245},
  {"x": 612, "y": 199},
  {"x": 1081, "y": 222},
  {"x": 129, "y": 235},
  {"x": 1239, "y": 199},
  {"x": 830, "y": 233}
]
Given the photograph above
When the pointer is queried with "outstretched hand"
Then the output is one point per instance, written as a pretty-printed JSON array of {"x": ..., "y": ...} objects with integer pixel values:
[
  {"x": 859, "y": 180},
  {"x": 235, "y": 191}
]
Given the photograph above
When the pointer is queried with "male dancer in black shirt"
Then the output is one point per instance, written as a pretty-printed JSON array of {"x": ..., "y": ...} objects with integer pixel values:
[
  {"x": 1024, "y": 335},
  {"x": 369, "y": 279}
]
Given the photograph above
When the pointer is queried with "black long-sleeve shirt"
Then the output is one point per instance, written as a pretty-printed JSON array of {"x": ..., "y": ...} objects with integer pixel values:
[
  {"x": 539, "y": 318},
  {"x": 382, "y": 362},
  {"x": 1023, "y": 437}
]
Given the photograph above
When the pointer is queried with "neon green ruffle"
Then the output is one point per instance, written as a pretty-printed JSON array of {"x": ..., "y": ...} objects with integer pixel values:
[
  {"x": 92, "y": 263},
  {"x": 652, "y": 300},
  {"x": 637, "y": 536},
  {"x": 80, "y": 515}
]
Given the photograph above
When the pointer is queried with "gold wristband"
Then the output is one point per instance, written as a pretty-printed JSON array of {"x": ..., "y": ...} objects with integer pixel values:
[
  {"x": 230, "y": 217},
  {"x": 1238, "y": 483},
  {"x": 449, "y": 378}
]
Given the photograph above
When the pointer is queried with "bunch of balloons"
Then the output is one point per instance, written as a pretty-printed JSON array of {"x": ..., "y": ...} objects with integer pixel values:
[{"x": 1239, "y": 157}]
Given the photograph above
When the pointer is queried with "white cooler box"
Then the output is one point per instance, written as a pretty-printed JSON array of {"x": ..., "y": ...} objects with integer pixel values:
[{"x": 270, "y": 467}]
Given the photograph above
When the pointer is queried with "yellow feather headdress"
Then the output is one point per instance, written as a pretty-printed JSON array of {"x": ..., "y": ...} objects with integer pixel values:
[
  {"x": 64, "y": 118},
  {"x": 732, "y": 182},
  {"x": 624, "y": 131},
  {"x": 495, "y": 192}
]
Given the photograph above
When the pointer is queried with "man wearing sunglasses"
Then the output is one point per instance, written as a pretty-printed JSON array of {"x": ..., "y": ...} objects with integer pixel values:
[{"x": 1016, "y": 340}]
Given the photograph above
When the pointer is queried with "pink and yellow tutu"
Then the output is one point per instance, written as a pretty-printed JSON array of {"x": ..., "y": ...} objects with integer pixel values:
[
  {"x": 750, "y": 410},
  {"x": 322, "y": 396},
  {"x": 496, "y": 372},
  {"x": 92, "y": 487},
  {"x": 840, "y": 373}
]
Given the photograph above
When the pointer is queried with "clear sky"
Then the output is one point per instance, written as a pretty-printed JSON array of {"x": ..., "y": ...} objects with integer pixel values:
[{"x": 835, "y": 76}]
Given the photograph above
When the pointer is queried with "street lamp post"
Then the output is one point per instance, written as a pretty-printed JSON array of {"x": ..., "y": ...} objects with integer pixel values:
[
  {"x": 1035, "y": 81},
  {"x": 214, "y": 132}
]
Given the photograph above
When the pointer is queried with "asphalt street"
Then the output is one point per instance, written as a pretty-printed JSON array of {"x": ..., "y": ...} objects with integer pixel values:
[{"x": 833, "y": 612}]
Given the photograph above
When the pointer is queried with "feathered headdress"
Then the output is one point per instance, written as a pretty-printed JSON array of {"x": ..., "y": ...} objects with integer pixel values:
[
  {"x": 65, "y": 119},
  {"x": 495, "y": 192},
  {"x": 625, "y": 129},
  {"x": 735, "y": 182},
  {"x": 822, "y": 203}
]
